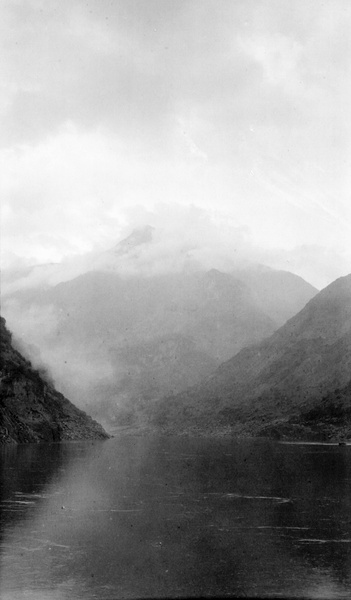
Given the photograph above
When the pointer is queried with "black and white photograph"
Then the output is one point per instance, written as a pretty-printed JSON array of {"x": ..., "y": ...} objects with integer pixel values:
[{"x": 175, "y": 330}]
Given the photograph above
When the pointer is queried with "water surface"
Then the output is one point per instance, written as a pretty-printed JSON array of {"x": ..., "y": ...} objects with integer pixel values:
[{"x": 138, "y": 517}]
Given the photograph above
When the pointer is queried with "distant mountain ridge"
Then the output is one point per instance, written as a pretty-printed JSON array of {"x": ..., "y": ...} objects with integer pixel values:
[
  {"x": 279, "y": 294},
  {"x": 31, "y": 410},
  {"x": 279, "y": 379}
]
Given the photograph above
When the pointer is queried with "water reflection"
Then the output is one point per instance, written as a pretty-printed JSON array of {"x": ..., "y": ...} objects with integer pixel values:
[
  {"x": 26, "y": 470},
  {"x": 161, "y": 517}
]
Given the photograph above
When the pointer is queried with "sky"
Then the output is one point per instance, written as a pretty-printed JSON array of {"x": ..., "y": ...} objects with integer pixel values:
[{"x": 115, "y": 114}]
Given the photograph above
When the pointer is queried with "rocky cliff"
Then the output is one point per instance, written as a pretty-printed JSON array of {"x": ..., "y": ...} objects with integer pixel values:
[{"x": 31, "y": 410}]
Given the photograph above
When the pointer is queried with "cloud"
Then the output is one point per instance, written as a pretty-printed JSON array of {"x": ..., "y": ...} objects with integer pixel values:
[
  {"x": 239, "y": 107},
  {"x": 58, "y": 195},
  {"x": 184, "y": 237},
  {"x": 189, "y": 237},
  {"x": 279, "y": 57}
]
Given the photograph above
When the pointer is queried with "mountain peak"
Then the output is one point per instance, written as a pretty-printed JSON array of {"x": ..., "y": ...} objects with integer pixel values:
[{"x": 138, "y": 237}]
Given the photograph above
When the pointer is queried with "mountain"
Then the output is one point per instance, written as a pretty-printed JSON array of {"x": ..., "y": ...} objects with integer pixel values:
[
  {"x": 279, "y": 294},
  {"x": 137, "y": 238},
  {"x": 116, "y": 338},
  {"x": 281, "y": 385},
  {"x": 31, "y": 410}
]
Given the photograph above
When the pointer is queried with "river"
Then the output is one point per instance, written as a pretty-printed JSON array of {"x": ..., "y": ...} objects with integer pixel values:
[{"x": 144, "y": 517}]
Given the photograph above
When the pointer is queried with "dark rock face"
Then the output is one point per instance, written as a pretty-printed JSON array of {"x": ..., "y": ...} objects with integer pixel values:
[
  {"x": 293, "y": 385},
  {"x": 31, "y": 410}
]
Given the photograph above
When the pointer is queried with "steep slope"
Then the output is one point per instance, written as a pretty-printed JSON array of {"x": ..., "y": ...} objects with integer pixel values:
[
  {"x": 31, "y": 410},
  {"x": 289, "y": 373}
]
